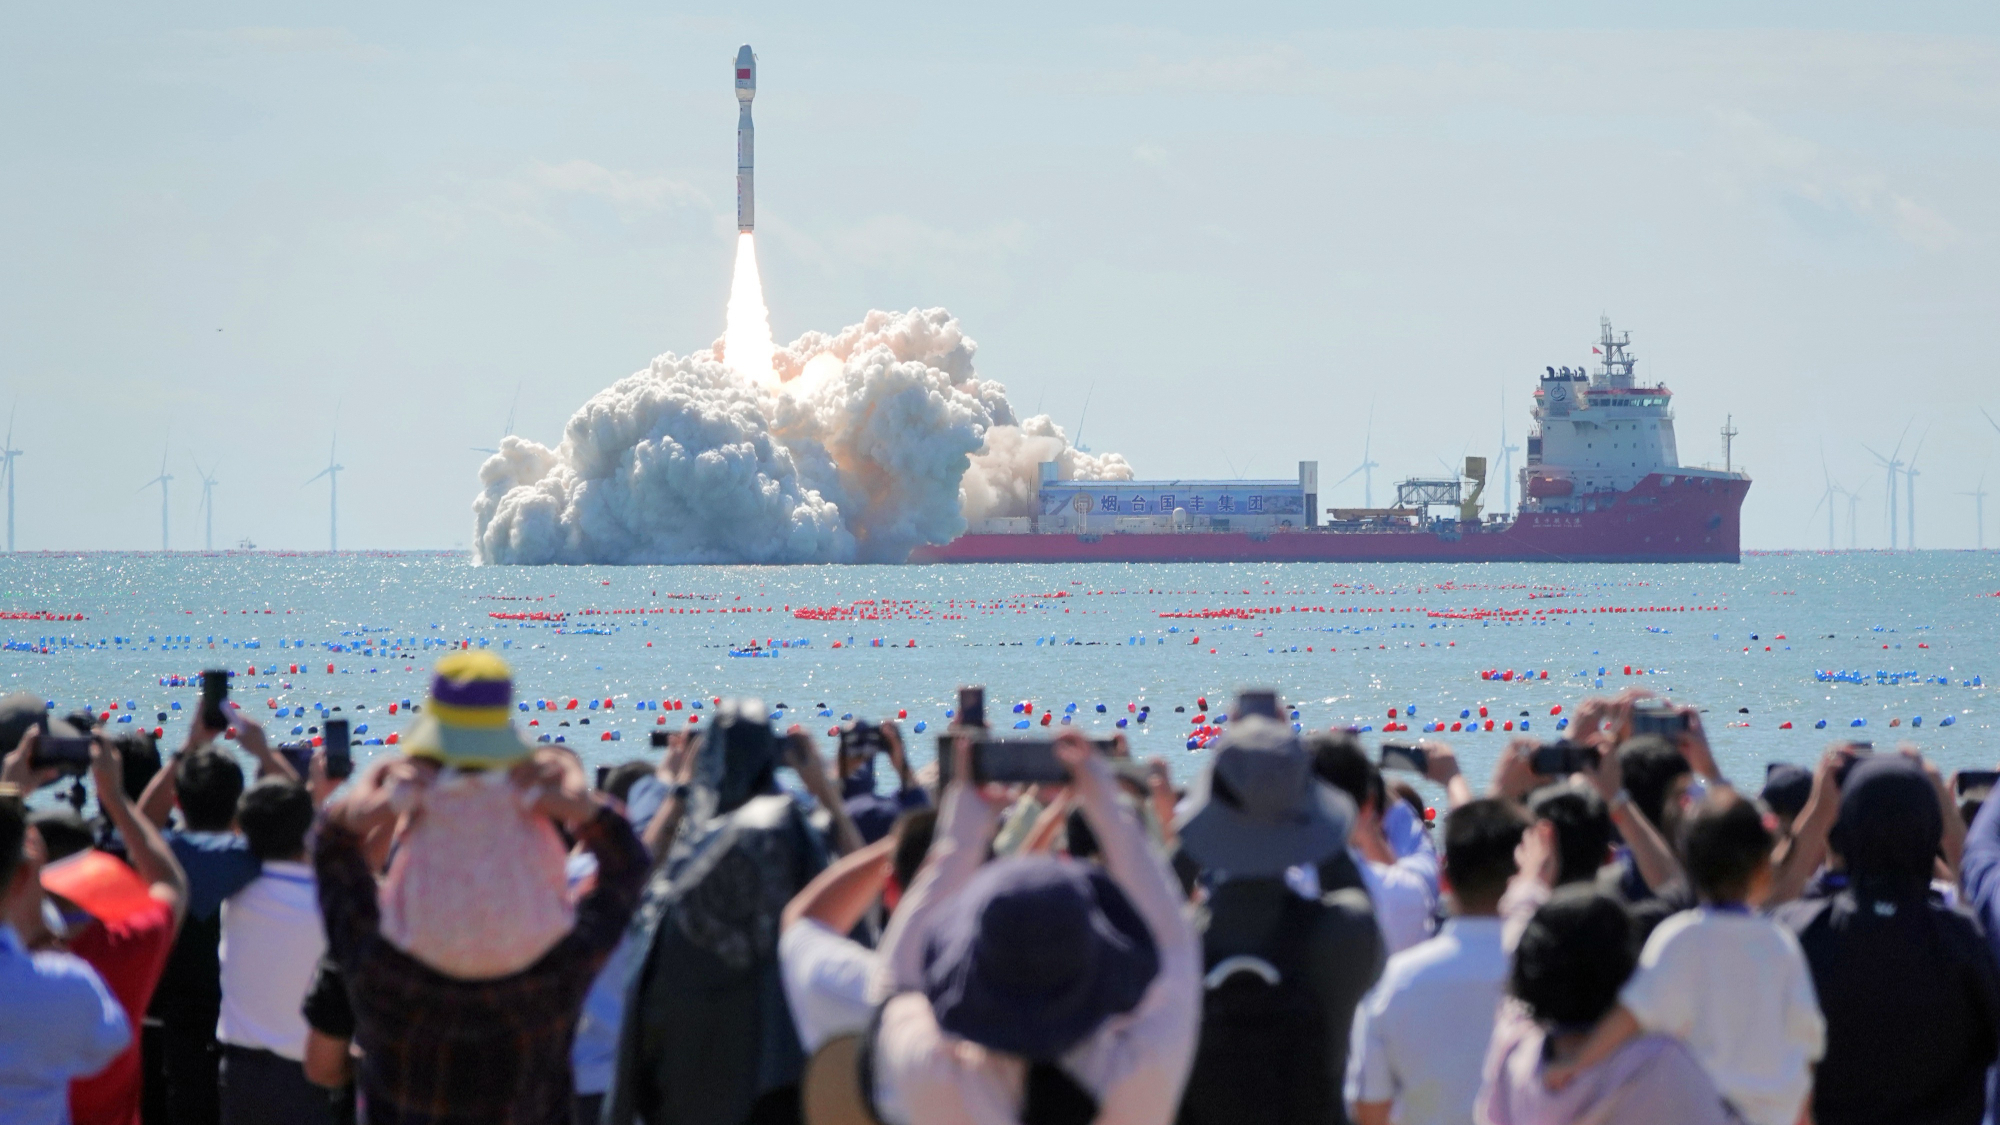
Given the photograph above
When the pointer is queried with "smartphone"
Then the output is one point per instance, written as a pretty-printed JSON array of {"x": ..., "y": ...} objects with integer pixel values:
[
  {"x": 658, "y": 742},
  {"x": 1260, "y": 702},
  {"x": 1560, "y": 759},
  {"x": 1668, "y": 722},
  {"x": 70, "y": 755},
  {"x": 1976, "y": 783},
  {"x": 339, "y": 752},
  {"x": 1023, "y": 760},
  {"x": 1402, "y": 756},
  {"x": 972, "y": 706},
  {"x": 214, "y": 689},
  {"x": 861, "y": 739},
  {"x": 1861, "y": 750},
  {"x": 299, "y": 754}
]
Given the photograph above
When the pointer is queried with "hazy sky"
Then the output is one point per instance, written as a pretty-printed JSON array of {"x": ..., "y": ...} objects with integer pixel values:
[{"x": 1234, "y": 227}]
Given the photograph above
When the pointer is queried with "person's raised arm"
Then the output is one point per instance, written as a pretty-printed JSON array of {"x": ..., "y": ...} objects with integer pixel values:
[
  {"x": 899, "y": 758},
  {"x": 1144, "y": 878},
  {"x": 156, "y": 804},
  {"x": 1650, "y": 853},
  {"x": 1979, "y": 866},
  {"x": 1514, "y": 776},
  {"x": 676, "y": 768},
  {"x": 968, "y": 814},
  {"x": 562, "y": 795},
  {"x": 250, "y": 736},
  {"x": 1441, "y": 766},
  {"x": 1951, "y": 846},
  {"x": 1799, "y": 856},
  {"x": 145, "y": 848},
  {"x": 840, "y": 896},
  {"x": 802, "y": 754},
  {"x": 1693, "y": 745}
]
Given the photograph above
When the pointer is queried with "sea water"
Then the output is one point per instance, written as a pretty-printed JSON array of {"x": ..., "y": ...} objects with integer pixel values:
[{"x": 1891, "y": 640}]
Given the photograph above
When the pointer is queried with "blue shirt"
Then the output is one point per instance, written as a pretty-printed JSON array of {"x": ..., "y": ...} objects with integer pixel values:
[
  {"x": 57, "y": 1022},
  {"x": 218, "y": 864},
  {"x": 1979, "y": 876}
]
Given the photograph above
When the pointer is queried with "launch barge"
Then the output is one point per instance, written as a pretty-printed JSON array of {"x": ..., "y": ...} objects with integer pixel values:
[{"x": 1602, "y": 483}]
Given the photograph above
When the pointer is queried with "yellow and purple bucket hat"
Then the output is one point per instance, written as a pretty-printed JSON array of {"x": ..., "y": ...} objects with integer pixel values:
[{"x": 468, "y": 722}]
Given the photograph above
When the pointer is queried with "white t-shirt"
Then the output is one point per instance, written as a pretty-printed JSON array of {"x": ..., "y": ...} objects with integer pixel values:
[
  {"x": 826, "y": 981},
  {"x": 1405, "y": 894},
  {"x": 1420, "y": 1035},
  {"x": 1736, "y": 989},
  {"x": 272, "y": 940}
]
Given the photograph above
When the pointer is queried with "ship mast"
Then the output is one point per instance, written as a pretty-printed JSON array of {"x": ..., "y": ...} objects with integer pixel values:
[
  {"x": 1729, "y": 432},
  {"x": 1616, "y": 369}
]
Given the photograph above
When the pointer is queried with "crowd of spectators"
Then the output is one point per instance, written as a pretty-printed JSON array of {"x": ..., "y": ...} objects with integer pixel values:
[{"x": 745, "y": 930}]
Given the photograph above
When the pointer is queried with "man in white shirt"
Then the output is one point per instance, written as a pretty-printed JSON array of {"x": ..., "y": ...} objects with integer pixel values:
[
  {"x": 272, "y": 940},
  {"x": 1404, "y": 887},
  {"x": 1420, "y": 1037},
  {"x": 826, "y": 972}
]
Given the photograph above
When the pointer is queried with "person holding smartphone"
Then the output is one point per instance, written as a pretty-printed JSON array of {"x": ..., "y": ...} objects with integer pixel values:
[
  {"x": 202, "y": 784},
  {"x": 1115, "y": 1038},
  {"x": 861, "y": 742}
]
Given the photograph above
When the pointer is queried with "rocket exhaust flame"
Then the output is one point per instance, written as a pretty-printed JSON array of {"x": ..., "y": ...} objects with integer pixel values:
[{"x": 746, "y": 339}]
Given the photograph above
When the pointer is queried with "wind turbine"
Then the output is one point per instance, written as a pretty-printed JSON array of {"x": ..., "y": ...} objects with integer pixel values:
[
  {"x": 1826, "y": 499},
  {"x": 517, "y": 402},
  {"x": 1853, "y": 519},
  {"x": 207, "y": 506},
  {"x": 1893, "y": 463},
  {"x": 1506, "y": 458},
  {"x": 1979, "y": 509},
  {"x": 7, "y": 456},
  {"x": 1366, "y": 469},
  {"x": 1910, "y": 475},
  {"x": 332, "y": 474},
  {"x": 161, "y": 480}
]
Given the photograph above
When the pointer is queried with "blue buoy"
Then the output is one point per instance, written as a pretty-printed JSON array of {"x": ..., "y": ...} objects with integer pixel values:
[{"x": 921, "y": 726}]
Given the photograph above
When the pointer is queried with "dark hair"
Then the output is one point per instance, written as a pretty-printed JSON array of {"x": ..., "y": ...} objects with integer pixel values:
[
  {"x": 1724, "y": 842},
  {"x": 64, "y": 833},
  {"x": 140, "y": 754},
  {"x": 1649, "y": 764},
  {"x": 275, "y": 815},
  {"x": 1479, "y": 841},
  {"x": 623, "y": 776},
  {"x": 1583, "y": 828},
  {"x": 1573, "y": 957},
  {"x": 1340, "y": 762},
  {"x": 913, "y": 831},
  {"x": 13, "y": 833},
  {"x": 208, "y": 783}
]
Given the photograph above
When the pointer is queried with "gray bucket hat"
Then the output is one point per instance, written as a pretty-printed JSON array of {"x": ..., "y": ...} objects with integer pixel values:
[{"x": 1259, "y": 809}]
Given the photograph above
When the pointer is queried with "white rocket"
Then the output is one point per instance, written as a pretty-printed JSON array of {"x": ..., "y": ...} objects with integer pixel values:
[{"x": 746, "y": 89}]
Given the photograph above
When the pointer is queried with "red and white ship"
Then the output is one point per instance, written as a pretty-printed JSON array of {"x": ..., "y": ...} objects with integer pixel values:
[{"x": 1603, "y": 482}]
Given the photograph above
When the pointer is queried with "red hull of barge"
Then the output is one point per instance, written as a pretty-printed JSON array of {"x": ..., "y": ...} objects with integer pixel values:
[{"x": 1694, "y": 519}]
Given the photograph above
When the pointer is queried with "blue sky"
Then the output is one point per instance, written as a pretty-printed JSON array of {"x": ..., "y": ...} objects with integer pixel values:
[{"x": 1232, "y": 227}]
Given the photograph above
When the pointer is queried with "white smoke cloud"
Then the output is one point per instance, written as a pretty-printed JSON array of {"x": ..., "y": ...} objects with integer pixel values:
[{"x": 875, "y": 440}]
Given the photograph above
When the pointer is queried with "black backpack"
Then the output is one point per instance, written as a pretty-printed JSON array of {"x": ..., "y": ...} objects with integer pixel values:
[{"x": 1262, "y": 1056}]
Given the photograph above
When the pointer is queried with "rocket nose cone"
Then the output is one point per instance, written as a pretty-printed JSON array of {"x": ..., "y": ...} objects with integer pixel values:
[
  {"x": 746, "y": 73},
  {"x": 743, "y": 56}
]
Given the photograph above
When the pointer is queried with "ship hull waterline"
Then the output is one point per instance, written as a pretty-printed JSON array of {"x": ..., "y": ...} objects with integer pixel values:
[{"x": 1692, "y": 520}]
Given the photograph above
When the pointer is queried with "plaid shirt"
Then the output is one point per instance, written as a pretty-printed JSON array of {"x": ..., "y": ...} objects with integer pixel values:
[{"x": 436, "y": 1049}]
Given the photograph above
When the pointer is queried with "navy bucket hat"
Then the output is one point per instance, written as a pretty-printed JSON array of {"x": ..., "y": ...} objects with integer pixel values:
[{"x": 1034, "y": 955}]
